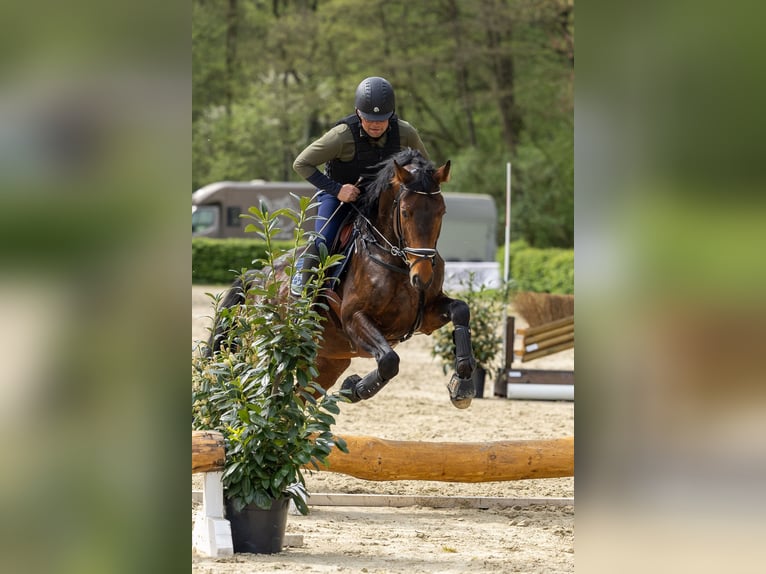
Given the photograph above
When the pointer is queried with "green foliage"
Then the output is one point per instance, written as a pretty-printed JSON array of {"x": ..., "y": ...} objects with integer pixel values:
[
  {"x": 220, "y": 261},
  {"x": 484, "y": 83},
  {"x": 540, "y": 270},
  {"x": 478, "y": 171},
  {"x": 259, "y": 139},
  {"x": 545, "y": 219},
  {"x": 486, "y": 308},
  {"x": 258, "y": 390}
]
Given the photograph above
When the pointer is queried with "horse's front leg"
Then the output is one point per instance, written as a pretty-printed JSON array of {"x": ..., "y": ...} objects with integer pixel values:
[
  {"x": 461, "y": 387},
  {"x": 367, "y": 336}
]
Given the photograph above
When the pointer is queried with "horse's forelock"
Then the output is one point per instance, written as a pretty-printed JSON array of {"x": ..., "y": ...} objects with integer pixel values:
[
  {"x": 422, "y": 176},
  {"x": 422, "y": 173}
]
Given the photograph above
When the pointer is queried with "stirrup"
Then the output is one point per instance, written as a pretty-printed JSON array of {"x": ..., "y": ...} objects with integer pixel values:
[
  {"x": 301, "y": 279},
  {"x": 296, "y": 285}
]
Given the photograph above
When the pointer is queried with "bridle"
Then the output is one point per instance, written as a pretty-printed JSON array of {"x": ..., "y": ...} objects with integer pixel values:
[{"x": 401, "y": 250}]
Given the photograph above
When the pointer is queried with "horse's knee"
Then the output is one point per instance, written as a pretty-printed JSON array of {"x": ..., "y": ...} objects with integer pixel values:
[
  {"x": 388, "y": 366},
  {"x": 460, "y": 313}
]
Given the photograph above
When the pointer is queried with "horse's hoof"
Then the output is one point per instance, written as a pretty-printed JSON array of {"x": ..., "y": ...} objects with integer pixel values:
[
  {"x": 466, "y": 368},
  {"x": 461, "y": 391},
  {"x": 348, "y": 388},
  {"x": 461, "y": 403}
]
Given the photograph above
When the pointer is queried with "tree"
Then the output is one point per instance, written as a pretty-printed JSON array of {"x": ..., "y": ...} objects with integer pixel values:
[{"x": 483, "y": 81}]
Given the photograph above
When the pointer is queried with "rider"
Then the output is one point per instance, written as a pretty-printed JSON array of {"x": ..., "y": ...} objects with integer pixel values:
[{"x": 348, "y": 151}]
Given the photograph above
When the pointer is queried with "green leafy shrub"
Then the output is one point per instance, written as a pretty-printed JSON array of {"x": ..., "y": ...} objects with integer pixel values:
[{"x": 258, "y": 389}]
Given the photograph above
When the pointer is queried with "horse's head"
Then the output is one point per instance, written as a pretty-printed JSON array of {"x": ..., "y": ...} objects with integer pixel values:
[{"x": 418, "y": 212}]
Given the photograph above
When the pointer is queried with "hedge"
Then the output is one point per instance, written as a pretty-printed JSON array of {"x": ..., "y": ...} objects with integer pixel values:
[
  {"x": 219, "y": 261},
  {"x": 540, "y": 270}
]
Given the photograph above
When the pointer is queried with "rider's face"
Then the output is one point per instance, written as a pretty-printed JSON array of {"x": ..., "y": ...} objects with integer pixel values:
[{"x": 374, "y": 129}]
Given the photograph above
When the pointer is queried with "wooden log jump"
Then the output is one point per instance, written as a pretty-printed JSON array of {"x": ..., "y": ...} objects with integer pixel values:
[
  {"x": 208, "y": 452},
  {"x": 372, "y": 458}
]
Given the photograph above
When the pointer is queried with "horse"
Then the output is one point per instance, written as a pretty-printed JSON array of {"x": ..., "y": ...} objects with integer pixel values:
[{"x": 391, "y": 287}]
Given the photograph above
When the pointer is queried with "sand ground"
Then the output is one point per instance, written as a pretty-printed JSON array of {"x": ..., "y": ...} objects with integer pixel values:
[{"x": 416, "y": 406}]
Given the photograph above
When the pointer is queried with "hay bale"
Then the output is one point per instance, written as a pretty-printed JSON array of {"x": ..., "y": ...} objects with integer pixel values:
[{"x": 541, "y": 308}]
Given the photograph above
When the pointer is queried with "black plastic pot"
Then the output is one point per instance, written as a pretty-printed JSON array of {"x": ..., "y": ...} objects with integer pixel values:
[
  {"x": 479, "y": 376},
  {"x": 256, "y": 530}
]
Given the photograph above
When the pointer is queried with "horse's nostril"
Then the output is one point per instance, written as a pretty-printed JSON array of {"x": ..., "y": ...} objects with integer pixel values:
[{"x": 417, "y": 282}]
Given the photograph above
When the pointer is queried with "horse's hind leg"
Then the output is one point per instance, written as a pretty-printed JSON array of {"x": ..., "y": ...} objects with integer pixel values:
[
  {"x": 369, "y": 338},
  {"x": 329, "y": 371},
  {"x": 234, "y": 296}
]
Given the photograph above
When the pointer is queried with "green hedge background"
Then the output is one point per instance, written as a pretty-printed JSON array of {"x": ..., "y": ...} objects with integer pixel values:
[
  {"x": 219, "y": 261},
  {"x": 539, "y": 270}
]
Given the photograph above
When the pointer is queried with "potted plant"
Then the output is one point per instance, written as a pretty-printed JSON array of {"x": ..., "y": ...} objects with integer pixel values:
[
  {"x": 257, "y": 390},
  {"x": 486, "y": 308}
]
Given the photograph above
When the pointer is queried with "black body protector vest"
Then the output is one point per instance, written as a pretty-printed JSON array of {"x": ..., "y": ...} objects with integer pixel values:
[{"x": 367, "y": 155}]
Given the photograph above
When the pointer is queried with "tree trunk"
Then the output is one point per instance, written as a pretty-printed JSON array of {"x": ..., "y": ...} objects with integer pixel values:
[
  {"x": 231, "y": 53},
  {"x": 461, "y": 71},
  {"x": 499, "y": 36}
]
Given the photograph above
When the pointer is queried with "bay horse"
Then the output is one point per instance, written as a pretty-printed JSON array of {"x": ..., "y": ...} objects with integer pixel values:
[{"x": 391, "y": 287}]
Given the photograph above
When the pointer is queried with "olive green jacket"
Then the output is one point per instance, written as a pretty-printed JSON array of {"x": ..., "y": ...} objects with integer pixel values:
[{"x": 338, "y": 143}]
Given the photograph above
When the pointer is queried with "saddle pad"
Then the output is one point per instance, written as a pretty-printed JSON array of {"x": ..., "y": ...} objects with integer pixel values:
[{"x": 344, "y": 237}]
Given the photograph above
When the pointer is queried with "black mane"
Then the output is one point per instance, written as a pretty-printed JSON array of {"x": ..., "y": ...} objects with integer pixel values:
[{"x": 422, "y": 173}]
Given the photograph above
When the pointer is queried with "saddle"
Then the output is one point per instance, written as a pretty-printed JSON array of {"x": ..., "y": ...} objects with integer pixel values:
[{"x": 344, "y": 244}]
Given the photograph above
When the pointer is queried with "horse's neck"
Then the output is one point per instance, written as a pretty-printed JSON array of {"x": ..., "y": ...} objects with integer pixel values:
[{"x": 385, "y": 218}]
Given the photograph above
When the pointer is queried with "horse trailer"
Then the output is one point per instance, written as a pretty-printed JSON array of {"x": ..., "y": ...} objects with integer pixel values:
[{"x": 467, "y": 243}]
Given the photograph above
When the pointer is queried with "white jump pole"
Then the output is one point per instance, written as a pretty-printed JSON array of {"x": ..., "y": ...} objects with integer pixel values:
[
  {"x": 540, "y": 392},
  {"x": 506, "y": 266},
  {"x": 506, "y": 257}
]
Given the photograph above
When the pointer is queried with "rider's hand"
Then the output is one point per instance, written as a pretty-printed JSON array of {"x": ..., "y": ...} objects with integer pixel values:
[{"x": 348, "y": 193}]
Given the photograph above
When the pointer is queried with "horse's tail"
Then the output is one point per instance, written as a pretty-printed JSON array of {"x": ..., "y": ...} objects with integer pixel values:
[{"x": 233, "y": 297}]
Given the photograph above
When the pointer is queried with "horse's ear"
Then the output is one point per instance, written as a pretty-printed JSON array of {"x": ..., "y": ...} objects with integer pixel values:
[
  {"x": 401, "y": 174},
  {"x": 442, "y": 174}
]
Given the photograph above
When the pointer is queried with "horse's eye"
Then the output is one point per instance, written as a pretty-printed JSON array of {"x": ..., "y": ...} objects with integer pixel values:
[{"x": 405, "y": 214}]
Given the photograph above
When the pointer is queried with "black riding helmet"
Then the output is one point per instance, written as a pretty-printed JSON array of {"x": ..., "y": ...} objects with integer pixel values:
[{"x": 375, "y": 99}]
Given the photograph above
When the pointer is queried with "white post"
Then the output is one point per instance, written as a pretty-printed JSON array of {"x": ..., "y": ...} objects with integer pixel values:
[
  {"x": 212, "y": 532},
  {"x": 507, "y": 255},
  {"x": 507, "y": 267}
]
